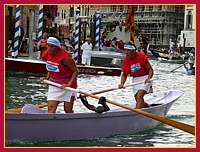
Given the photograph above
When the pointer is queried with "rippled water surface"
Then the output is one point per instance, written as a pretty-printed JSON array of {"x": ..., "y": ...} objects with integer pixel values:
[{"x": 23, "y": 88}]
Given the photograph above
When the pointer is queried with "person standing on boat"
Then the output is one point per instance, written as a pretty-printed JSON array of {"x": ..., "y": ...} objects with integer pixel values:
[
  {"x": 137, "y": 66},
  {"x": 42, "y": 44},
  {"x": 86, "y": 51},
  {"x": 144, "y": 48},
  {"x": 114, "y": 43},
  {"x": 61, "y": 69},
  {"x": 191, "y": 59},
  {"x": 171, "y": 53}
]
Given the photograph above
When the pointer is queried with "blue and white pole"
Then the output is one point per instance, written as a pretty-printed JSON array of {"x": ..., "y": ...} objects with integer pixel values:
[
  {"x": 76, "y": 35},
  {"x": 16, "y": 38},
  {"x": 40, "y": 25},
  {"x": 97, "y": 30},
  {"x": 40, "y": 22}
]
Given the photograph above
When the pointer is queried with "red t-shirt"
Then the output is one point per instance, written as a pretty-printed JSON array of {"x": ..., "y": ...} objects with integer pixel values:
[
  {"x": 135, "y": 67},
  {"x": 58, "y": 72},
  {"x": 43, "y": 43}
]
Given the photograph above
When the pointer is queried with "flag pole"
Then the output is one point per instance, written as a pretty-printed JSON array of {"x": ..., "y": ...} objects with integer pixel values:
[{"x": 130, "y": 21}]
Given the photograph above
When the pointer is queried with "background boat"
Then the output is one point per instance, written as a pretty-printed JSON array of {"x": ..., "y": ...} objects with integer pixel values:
[
  {"x": 39, "y": 67},
  {"x": 107, "y": 56},
  {"x": 103, "y": 56},
  {"x": 164, "y": 57},
  {"x": 163, "y": 60}
]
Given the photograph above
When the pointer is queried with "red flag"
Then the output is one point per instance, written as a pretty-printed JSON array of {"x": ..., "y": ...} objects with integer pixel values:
[{"x": 130, "y": 21}]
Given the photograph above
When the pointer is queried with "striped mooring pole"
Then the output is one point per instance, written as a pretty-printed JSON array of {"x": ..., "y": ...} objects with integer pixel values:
[
  {"x": 16, "y": 38},
  {"x": 97, "y": 30},
  {"x": 40, "y": 25},
  {"x": 10, "y": 46},
  {"x": 40, "y": 22},
  {"x": 76, "y": 35}
]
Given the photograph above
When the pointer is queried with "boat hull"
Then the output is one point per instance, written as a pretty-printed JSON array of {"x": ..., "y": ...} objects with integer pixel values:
[
  {"x": 39, "y": 67},
  {"x": 165, "y": 58},
  {"x": 156, "y": 54},
  {"x": 57, "y": 127}
]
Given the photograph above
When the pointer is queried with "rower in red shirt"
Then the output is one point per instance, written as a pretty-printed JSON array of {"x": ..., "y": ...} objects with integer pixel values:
[
  {"x": 61, "y": 69},
  {"x": 138, "y": 67},
  {"x": 42, "y": 44}
]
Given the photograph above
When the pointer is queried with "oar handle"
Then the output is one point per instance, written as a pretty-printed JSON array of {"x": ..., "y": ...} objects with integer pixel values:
[
  {"x": 59, "y": 85},
  {"x": 129, "y": 85},
  {"x": 78, "y": 91},
  {"x": 136, "y": 83},
  {"x": 140, "y": 82}
]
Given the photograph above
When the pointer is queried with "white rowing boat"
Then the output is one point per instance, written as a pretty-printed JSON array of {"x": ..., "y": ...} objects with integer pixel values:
[{"x": 40, "y": 126}]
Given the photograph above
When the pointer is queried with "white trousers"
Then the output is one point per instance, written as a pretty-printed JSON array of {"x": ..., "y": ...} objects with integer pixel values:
[{"x": 86, "y": 60}]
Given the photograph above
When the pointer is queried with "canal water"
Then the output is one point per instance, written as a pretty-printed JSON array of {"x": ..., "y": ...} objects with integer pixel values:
[{"x": 23, "y": 88}]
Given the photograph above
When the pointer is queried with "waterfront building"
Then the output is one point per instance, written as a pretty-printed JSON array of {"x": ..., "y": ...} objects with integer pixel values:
[
  {"x": 160, "y": 23},
  {"x": 186, "y": 39}
]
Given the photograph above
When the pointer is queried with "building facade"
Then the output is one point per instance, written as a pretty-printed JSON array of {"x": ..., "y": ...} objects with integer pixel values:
[
  {"x": 187, "y": 36},
  {"x": 160, "y": 23}
]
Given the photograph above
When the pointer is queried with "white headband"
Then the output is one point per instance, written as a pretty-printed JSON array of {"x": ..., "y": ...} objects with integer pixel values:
[
  {"x": 129, "y": 47},
  {"x": 54, "y": 41}
]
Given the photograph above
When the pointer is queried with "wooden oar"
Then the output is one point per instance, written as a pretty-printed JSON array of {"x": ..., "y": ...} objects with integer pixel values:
[
  {"x": 18, "y": 110},
  {"x": 179, "y": 125},
  {"x": 129, "y": 85},
  {"x": 179, "y": 67}
]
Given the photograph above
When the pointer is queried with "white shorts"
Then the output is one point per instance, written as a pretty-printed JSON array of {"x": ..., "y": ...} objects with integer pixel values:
[
  {"x": 58, "y": 94},
  {"x": 147, "y": 87}
]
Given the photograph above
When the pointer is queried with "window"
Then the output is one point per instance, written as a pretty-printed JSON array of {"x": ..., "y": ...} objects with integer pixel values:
[
  {"x": 159, "y": 7},
  {"x": 71, "y": 11},
  {"x": 121, "y": 8},
  {"x": 189, "y": 20},
  {"x": 113, "y": 8},
  {"x": 136, "y": 8},
  {"x": 142, "y": 8},
  {"x": 150, "y": 8},
  {"x": 63, "y": 14}
]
